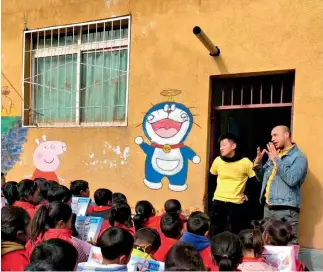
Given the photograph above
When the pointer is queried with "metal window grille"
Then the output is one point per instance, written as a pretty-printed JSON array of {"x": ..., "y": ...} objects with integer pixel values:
[
  {"x": 77, "y": 75},
  {"x": 261, "y": 91}
]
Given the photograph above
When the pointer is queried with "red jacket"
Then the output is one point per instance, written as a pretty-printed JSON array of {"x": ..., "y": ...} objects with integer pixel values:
[
  {"x": 207, "y": 258},
  {"x": 106, "y": 225},
  {"x": 166, "y": 244},
  {"x": 30, "y": 208},
  {"x": 63, "y": 234},
  {"x": 153, "y": 222},
  {"x": 14, "y": 257}
]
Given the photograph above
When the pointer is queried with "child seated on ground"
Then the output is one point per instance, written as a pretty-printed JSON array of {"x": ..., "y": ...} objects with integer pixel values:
[
  {"x": 226, "y": 251},
  {"x": 10, "y": 192},
  {"x": 103, "y": 201},
  {"x": 118, "y": 196},
  {"x": 120, "y": 216},
  {"x": 80, "y": 188},
  {"x": 15, "y": 231},
  {"x": 171, "y": 228},
  {"x": 57, "y": 253},
  {"x": 174, "y": 206},
  {"x": 147, "y": 242},
  {"x": 116, "y": 246},
  {"x": 57, "y": 192},
  {"x": 279, "y": 233},
  {"x": 28, "y": 192},
  {"x": 43, "y": 189},
  {"x": 253, "y": 247},
  {"x": 198, "y": 227},
  {"x": 146, "y": 216},
  {"x": 183, "y": 257}
]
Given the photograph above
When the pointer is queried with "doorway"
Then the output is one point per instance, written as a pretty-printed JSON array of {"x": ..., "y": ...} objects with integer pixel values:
[{"x": 249, "y": 106}]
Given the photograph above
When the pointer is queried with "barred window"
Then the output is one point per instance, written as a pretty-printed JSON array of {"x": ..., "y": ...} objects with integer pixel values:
[{"x": 77, "y": 75}]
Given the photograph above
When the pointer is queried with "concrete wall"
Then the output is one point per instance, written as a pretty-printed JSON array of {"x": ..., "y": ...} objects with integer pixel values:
[{"x": 254, "y": 36}]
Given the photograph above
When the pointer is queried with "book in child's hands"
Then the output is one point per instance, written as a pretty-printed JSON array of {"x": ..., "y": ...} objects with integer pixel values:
[
  {"x": 88, "y": 227},
  {"x": 95, "y": 255},
  {"x": 80, "y": 205},
  {"x": 281, "y": 257}
]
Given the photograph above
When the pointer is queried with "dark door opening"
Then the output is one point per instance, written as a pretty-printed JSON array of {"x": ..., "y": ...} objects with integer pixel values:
[{"x": 246, "y": 107}]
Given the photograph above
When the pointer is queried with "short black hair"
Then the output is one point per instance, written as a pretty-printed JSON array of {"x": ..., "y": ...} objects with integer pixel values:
[
  {"x": 172, "y": 206},
  {"x": 229, "y": 136},
  {"x": 10, "y": 192},
  {"x": 78, "y": 186},
  {"x": 102, "y": 197},
  {"x": 171, "y": 225},
  {"x": 57, "y": 192},
  {"x": 183, "y": 257},
  {"x": 118, "y": 197},
  {"x": 115, "y": 242},
  {"x": 43, "y": 186},
  {"x": 149, "y": 236},
  {"x": 13, "y": 219},
  {"x": 198, "y": 223},
  {"x": 226, "y": 249},
  {"x": 26, "y": 188},
  {"x": 120, "y": 212},
  {"x": 60, "y": 253},
  {"x": 41, "y": 266}
]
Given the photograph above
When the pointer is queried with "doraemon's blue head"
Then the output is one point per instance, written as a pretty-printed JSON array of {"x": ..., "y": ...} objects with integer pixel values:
[{"x": 168, "y": 123}]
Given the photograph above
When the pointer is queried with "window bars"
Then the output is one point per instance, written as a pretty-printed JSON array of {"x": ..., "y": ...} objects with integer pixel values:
[{"x": 77, "y": 75}]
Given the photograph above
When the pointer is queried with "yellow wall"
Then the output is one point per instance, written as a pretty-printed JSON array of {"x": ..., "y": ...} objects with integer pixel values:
[{"x": 253, "y": 36}]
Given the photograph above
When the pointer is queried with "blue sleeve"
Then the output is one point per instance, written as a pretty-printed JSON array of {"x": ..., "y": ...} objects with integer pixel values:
[
  {"x": 148, "y": 149},
  {"x": 188, "y": 153}
]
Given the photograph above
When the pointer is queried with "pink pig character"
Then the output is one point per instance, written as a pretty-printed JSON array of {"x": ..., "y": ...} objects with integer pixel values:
[{"x": 46, "y": 159}]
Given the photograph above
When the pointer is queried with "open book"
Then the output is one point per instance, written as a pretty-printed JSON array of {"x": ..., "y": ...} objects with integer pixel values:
[
  {"x": 88, "y": 227},
  {"x": 80, "y": 205}
]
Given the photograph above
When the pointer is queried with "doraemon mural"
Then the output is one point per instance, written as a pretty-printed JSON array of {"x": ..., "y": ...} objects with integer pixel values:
[{"x": 167, "y": 125}]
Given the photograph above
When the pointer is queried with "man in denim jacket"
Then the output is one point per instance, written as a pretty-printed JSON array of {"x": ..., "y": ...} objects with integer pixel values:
[{"x": 282, "y": 177}]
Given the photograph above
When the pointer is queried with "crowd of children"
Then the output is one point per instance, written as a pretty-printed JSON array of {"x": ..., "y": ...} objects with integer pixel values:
[{"x": 38, "y": 234}]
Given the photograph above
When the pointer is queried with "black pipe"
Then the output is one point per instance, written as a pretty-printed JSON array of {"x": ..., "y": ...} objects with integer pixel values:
[{"x": 214, "y": 50}]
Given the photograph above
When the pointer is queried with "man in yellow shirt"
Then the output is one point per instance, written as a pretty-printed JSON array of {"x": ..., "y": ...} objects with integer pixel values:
[{"x": 232, "y": 172}]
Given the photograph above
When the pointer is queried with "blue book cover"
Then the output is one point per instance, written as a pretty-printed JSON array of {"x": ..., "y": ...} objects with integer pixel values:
[
  {"x": 88, "y": 227},
  {"x": 80, "y": 205}
]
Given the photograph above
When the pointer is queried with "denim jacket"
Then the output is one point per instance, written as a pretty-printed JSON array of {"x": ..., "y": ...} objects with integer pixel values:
[{"x": 285, "y": 186}]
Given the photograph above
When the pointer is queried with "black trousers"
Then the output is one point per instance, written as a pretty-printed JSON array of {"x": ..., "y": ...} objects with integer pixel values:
[{"x": 227, "y": 216}]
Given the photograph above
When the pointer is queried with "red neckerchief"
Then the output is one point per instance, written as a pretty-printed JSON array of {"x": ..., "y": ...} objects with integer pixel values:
[
  {"x": 253, "y": 260},
  {"x": 101, "y": 208}
]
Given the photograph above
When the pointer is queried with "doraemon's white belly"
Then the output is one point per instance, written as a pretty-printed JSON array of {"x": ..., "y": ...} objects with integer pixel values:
[{"x": 167, "y": 163}]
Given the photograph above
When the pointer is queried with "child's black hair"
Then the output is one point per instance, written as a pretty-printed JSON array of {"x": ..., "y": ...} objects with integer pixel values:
[
  {"x": 48, "y": 217},
  {"x": 118, "y": 197},
  {"x": 13, "y": 220},
  {"x": 58, "y": 252},
  {"x": 183, "y": 257},
  {"x": 171, "y": 225},
  {"x": 277, "y": 232},
  {"x": 144, "y": 210},
  {"x": 115, "y": 242},
  {"x": 57, "y": 192},
  {"x": 43, "y": 187},
  {"x": 121, "y": 213},
  {"x": 172, "y": 206},
  {"x": 102, "y": 197},
  {"x": 148, "y": 236},
  {"x": 79, "y": 186},
  {"x": 198, "y": 223},
  {"x": 26, "y": 188},
  {"x": 251, "y": 239},
  {"x": 10, "y": 192},
  {"x": 226, "y": 251},
  {"x": 41, "y": 266}
]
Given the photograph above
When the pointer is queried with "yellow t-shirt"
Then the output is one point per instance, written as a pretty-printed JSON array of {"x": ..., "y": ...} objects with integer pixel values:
[
  {"x": 274, "y": 172},
  {"x": 232, "y": 179}
]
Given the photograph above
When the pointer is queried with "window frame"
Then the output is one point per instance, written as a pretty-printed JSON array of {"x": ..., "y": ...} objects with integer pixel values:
[{"x": 78, "y": 49}]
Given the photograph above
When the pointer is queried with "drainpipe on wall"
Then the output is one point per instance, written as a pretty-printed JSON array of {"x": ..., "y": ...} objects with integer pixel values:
[{"x": 214, "y": 50}]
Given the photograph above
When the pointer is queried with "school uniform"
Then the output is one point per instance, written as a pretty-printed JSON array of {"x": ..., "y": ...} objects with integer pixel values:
[
  {"x": 28, "y": 207},
  {"x": 228, "y": 207},
  {"x": 99, "y": 211},
  {"x": 153, "y": 222},
  {"x": 255, "y": 264},
  {"x": 14, "y": 256},
  {"x": 106, "y": 225},
  {"x": 166, "y": 244},
  {"x": 202, "y": 245}
]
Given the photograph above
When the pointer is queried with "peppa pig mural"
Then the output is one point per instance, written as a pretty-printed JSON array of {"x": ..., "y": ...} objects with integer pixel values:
[{"x": 46, "y": 159}]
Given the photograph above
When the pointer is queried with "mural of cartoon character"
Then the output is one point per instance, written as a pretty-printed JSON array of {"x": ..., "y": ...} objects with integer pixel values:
[
  {"x": 46, "y": 159},
  {"x": 6, "y": 102},
  {"x": 167, "y": 125}
]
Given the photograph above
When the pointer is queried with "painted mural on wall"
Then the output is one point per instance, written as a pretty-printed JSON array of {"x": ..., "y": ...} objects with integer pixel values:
[
  {"x": 13, "y": 136},
  {"x": 167, "y": 125},
  {"x": 46, "y": 159},
  {"x": 7, "y": 105}
]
